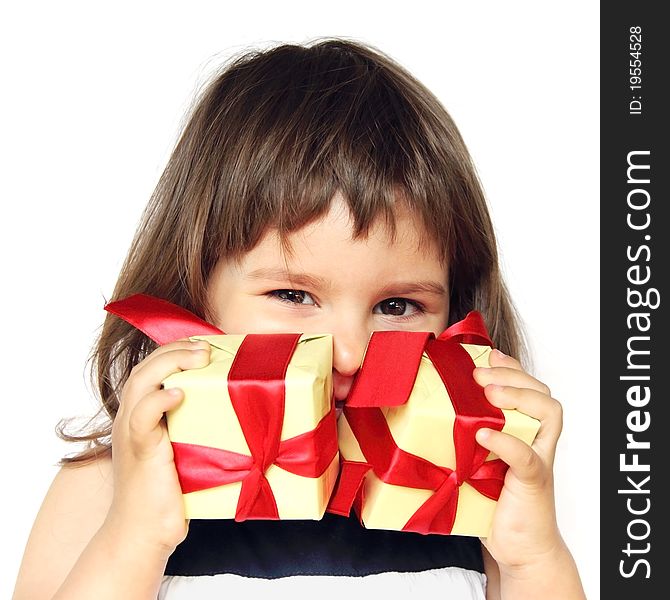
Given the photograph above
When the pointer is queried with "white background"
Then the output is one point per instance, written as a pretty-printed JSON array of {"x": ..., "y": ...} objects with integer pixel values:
[{"x": 91, "y": 104}]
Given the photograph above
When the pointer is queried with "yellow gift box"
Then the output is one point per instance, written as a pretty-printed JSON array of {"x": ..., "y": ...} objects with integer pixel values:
[
  {"x": 208, "y": 421},
  {"x": 423, "y": 427}
]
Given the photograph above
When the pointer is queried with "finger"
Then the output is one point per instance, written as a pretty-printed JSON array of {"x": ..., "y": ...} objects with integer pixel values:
[
  {"x": 499, "y": 359},
  {"x": 145, "y": 426},
  {"x": 508, "y": 376},
  {"x": 523, "y": 461},
  {"x": 530, "y": 402},
  {"x": 545, "y": 409},
  {"x": 149, "y": 379},
  {"x": 183, "y": 344}
]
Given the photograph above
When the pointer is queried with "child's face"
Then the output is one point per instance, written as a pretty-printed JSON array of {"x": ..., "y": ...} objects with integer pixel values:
[{"x": 333, "y": 284}]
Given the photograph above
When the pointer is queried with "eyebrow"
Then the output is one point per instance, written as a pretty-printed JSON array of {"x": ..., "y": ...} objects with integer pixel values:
[
  {"x": 306, "y": 279},
  {"x": 314, "y": 281},
  {"x": 414, "y": 287}
]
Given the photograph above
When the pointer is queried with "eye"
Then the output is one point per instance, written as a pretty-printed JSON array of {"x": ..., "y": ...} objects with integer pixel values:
[
  {"x": 293, "y": 296},
  {"x": 398, "y": 307}
]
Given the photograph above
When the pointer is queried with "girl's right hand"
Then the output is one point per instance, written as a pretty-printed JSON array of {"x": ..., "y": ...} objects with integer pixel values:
[{"x": 147, "y": 506}]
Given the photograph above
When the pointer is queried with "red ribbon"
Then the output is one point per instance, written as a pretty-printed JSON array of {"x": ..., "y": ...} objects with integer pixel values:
[
  {"x": 307, "y": 455},
  {"x": 161, "y": 320},
  {"x": 257, "y": 393},
  {"x": 393, "y": 465}
]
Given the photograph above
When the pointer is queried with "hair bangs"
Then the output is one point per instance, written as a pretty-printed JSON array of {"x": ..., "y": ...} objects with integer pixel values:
[{"x": 307, "y": 123}]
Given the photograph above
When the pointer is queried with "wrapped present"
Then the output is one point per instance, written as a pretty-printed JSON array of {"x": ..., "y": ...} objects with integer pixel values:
[
  {"x": 410, "y": 461},
  {"x": 255, "y": 436}
]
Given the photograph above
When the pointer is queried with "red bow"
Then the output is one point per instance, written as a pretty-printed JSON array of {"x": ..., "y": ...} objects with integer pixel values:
[
  {"x": 256, "y": 388},
  {"x": 383, "y": 380}
]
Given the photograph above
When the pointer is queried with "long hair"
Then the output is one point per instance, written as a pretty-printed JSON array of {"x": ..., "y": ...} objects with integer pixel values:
[{"x": 268, "y": 143}]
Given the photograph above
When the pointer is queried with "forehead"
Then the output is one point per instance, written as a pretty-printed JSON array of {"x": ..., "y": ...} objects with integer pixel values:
[{"x": 327, "y": 246}]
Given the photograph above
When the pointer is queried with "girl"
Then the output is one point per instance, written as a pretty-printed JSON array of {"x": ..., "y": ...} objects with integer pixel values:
[{"x": 314, "y": 188}]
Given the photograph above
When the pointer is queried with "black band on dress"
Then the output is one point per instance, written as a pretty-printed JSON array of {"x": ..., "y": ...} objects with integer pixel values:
[{"x": 332, "y": 546}]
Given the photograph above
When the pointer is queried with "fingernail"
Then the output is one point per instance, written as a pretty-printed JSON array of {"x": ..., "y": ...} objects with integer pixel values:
[
  {"x": 174, "y": 392},
  {"x": 483, "y": 434},
  {"x": 500, "y": 354}
]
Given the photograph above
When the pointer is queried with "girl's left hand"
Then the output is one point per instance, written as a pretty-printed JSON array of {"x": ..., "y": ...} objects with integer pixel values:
[{"x": 524, "y": 531}]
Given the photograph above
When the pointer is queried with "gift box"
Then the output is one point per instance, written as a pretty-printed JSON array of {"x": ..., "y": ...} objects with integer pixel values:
[
  {"x": 410, "y": 461},
  {"x": 255, "y": 436}
]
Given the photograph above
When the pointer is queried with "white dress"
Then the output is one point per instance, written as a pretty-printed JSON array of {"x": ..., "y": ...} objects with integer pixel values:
[{"x": 447, "y": 582}]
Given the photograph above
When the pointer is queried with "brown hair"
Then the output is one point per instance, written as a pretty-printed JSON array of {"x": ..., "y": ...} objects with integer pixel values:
[{"x": 268, "y": 143}]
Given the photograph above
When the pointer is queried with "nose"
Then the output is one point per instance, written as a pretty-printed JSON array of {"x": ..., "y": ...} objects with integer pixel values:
[{"x": 349, "y": 345}]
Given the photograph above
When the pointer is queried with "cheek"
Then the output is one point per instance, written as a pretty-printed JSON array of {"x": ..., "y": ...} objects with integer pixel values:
[
  {"x": 256, "y": 314},
  {"x": 438, "y": 321},
  {"x": 237, "y": 315},
  {"x": 439, "y": 324}
]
